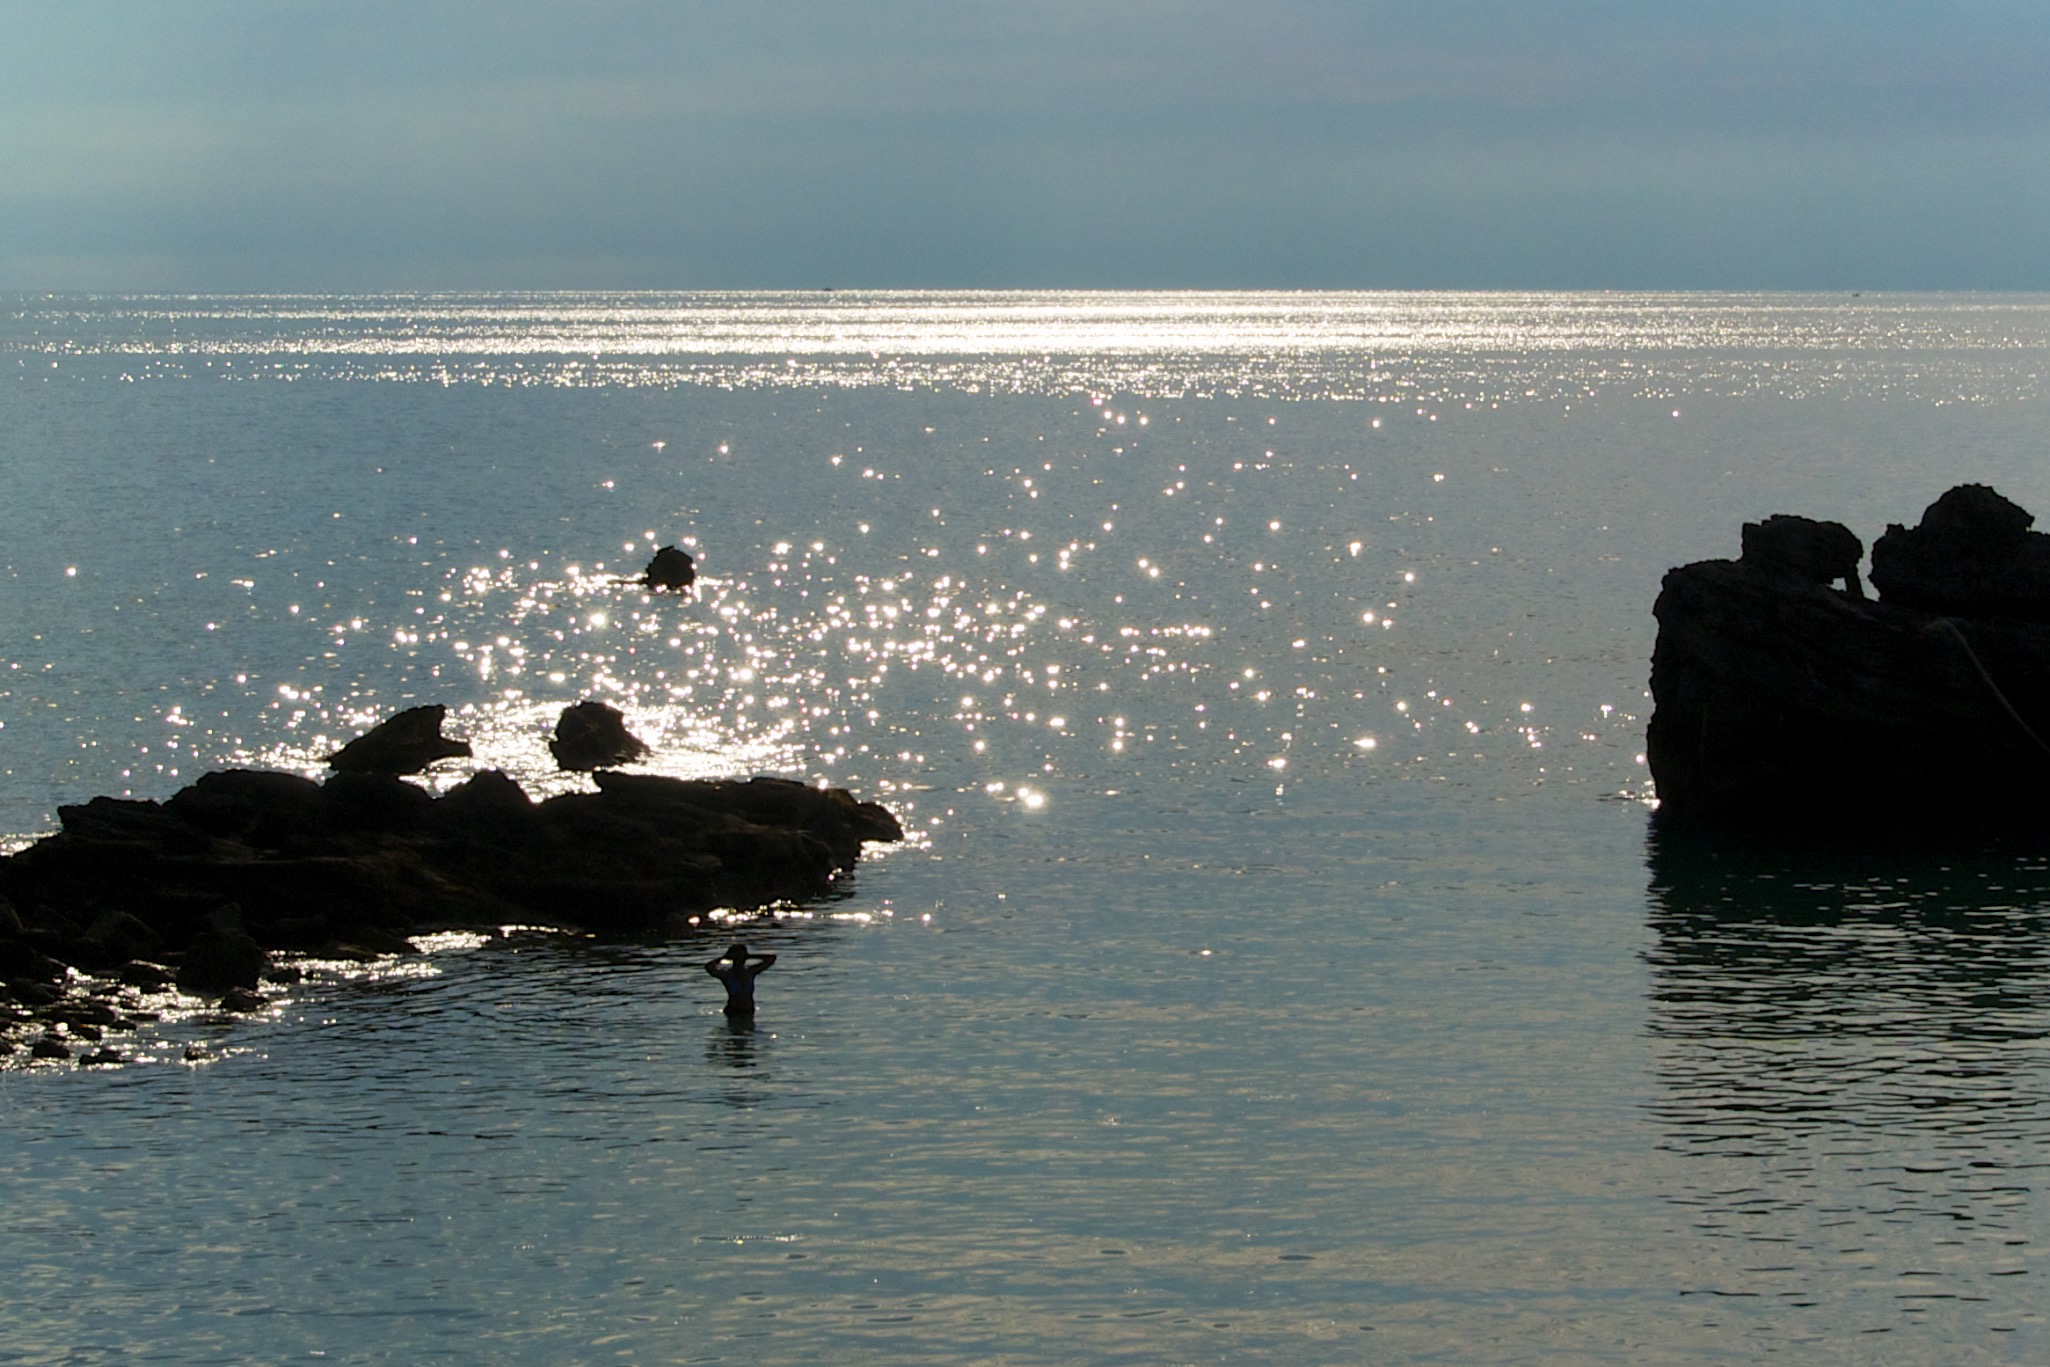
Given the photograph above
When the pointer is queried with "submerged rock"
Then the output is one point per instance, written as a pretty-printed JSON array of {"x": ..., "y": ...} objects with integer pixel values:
[
  {"x": 1780, "y": 701},
  {"x": 591, "y": 735},
  {"x": 405, "y": 744}
]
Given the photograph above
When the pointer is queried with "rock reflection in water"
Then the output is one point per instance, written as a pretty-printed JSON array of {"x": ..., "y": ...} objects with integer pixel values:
[{"x": 1851, "y": 1050}]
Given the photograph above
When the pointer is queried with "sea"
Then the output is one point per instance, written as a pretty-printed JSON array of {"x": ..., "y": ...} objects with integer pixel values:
[{"x": 1283, "y": 965}]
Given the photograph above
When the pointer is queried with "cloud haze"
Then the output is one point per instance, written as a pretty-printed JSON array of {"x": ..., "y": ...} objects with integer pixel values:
[{"x": 1464, "y": 143}]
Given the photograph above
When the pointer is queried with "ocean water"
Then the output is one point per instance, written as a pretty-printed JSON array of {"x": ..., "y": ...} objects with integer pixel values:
[{"x": 1282, "y": 968}]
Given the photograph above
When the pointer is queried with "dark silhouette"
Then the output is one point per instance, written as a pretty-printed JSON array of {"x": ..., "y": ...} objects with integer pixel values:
[
  {"x": 1972, "y": 556},
  {"x": 404, "y": 743},
  {"x": 672, "y": 568},
  {"x": 1782, "y": 702},
  {"x": 591, "y": 735},
  {"x": 1804, "y": 551},
  {"x": 738, "y": 970}
]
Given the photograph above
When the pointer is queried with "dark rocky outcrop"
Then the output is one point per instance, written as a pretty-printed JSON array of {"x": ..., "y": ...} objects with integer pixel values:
[
  {"x": 406, "y": 743},
  {"x": 1781, "y": 702},
  {"x": 1972, "y": 556},
  {"x": 207, "y": 886},
  {"x": 672, "y": 568},
  {"x": 591, "y": 735},
  {"x": 1804, "y": 551}
]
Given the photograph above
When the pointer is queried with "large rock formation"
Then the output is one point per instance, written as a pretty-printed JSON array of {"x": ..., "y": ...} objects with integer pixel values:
[
  {"x": 205, "y": 886},
  {"x": 1780, "y": 701}
]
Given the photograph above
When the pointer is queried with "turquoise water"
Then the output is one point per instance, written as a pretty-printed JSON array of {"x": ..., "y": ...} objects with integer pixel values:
[{"x": 1282, "y": 969}]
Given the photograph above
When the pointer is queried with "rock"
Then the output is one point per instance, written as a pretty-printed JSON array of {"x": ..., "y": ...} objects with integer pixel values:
[
  {"x": 32, "y": 993},
  {"x": 81, "y": 1013},
  {"x": 221, "y": 957},
  {"x": 265, "y": 809},
  {"x": 830, "y": 815},
  {"x": 101, "y": 1058},
  {"x": 1973, "y": 555},
  {"x": 672, "y": 568},
  {"x": 24, "y": 961},
  {"x": 150, "y": 977},
  {"x": 242, "y": 1001},
  {"x": 115, "y": 937},
  {"x": 404, "y": 744},
  {"x": 376, "y": 802},
  {"x": 487, "y": 798},
  {"x": 49, "y": 1046},
  {"x": 117, "y": 819},
  {"x": 369, "y": 943},
  {"x": 591, "y": 735},
  {"x": 1804, "y": 550},
  {"x": 1782, "y": 704}
]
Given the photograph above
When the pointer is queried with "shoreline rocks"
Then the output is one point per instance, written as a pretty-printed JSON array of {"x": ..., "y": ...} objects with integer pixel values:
[
  {"x": 1783, "y": 703},
  {"x": 204, "y": 888}
]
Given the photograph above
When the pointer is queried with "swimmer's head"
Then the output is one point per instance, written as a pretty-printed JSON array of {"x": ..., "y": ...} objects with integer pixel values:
[{"x": 737, "y": 953}]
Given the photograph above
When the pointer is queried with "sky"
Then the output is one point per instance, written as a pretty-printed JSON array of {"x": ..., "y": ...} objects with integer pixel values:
[{"x": 280, "y": 145}]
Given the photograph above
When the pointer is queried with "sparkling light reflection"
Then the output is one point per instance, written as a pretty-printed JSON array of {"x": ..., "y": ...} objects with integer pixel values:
[{"x": 1433, "y": 347}]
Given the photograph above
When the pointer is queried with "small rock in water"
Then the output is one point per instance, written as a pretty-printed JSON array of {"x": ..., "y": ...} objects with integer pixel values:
[
  {"x": 49, "y": 1046},
  {"x": 242, "y": 1001},
  {"x": 672, "y": 568}
]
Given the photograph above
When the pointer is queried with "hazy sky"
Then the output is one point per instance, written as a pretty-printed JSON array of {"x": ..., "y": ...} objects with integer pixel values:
[{"x": 273, "y": 144}]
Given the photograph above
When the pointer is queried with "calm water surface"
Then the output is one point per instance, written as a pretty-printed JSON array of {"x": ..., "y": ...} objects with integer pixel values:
[{"x": 1282, "y": 969}]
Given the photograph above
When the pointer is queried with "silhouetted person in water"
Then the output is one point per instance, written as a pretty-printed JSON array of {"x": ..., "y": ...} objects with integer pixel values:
[
  {"x": 672, "y": 568},
  {"x": 738, "y": 971}
]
